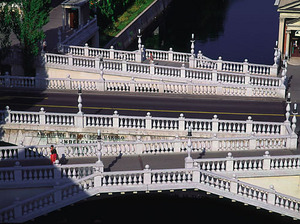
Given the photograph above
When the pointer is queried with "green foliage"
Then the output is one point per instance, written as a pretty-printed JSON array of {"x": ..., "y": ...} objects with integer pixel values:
[
  {"x": 27, "y": 18},
  {"x": 5, "y": 31}
]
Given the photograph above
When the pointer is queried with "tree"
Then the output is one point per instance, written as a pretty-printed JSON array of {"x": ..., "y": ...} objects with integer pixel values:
[
  {"x": 5, "y": 31},
  {"x": 28, "y": 18}
]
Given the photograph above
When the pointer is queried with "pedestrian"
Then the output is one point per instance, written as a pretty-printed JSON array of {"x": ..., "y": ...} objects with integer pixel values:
[{"x": 54, "y": 155}]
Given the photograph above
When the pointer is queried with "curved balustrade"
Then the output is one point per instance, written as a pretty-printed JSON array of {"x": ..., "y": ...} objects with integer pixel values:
[{"x": 153, "y": 180}]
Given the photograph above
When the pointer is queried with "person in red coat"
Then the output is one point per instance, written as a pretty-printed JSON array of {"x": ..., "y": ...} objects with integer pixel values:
[{"x": 53, "y": 156}]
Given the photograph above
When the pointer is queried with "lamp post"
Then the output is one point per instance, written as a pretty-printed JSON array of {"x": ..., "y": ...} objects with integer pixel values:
[
  {"x": 79, "y": 100},
  {"x": 189, "y": 160},
  {"x": 294, "y": 120},
  {"x": 288, "y": 107},
  {"x": 193, "y": 46},
  {"x": 99, "y": 146},
  {"x": 99, "y": 163}
]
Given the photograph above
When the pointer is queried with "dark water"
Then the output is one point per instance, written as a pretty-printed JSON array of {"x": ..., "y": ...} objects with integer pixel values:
[
  {"x": 162, "y": 208},
  {"x": 233, "y": 29}
]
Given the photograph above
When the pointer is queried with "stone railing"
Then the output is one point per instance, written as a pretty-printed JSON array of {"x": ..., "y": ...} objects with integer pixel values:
[
  {"x": 148, "y": 180},
  {"x": 259, "y": 143},
  {"x": 252, "y": 166},
  {"x": 225, "y": 85},
  {"x": 153, "y": 70},
  {"x": 35, "y": 176},
  {"x": 200, "y": 61},
  {"x": 51, "y": 175},
  {"x": 180, "y": 125}
]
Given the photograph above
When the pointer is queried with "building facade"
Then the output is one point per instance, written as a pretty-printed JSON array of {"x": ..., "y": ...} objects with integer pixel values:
[{"x": 289, "y": 27}]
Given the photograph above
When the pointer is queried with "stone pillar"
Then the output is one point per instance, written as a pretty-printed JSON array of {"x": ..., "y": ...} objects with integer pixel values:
[
  {"x": 267, "y": 161},
  {"x": 182, "y": 71},
  {"x": 271, "y": 195},
  {"x": 86, "y": 50},
  {"x": 170, "y": 55},
  {"x": 147, "y": 175},
  {"x": 181, "y": 126},
  {"x": 148, "y": 121},
  {"x": 281, "y": 34},
  {"x": 249, "y": 125},
  {"x": 245, "y": 66},
  {"x": 234, "y": 185},
  {"x": 219, "y": 64},
  {"x": 111, "y": 52},
  {"x": 215, "y": 124},
  {"x": 229, "y": 162},
  {"x": 116, "y": 119},
  {"x": 287, "y": 43},
  {"x": 42, "y": 116}
]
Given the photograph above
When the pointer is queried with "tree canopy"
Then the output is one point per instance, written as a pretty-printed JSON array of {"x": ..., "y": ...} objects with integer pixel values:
[{"x": 26, "y": 19}]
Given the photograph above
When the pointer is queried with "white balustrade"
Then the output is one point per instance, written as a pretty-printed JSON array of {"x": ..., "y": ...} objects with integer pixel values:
[{"x": 154, "y": 180}]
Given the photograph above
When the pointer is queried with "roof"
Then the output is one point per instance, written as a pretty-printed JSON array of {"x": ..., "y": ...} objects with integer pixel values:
[
  {"x": 283, "y": 3},
  {"x": 74, "y": 2}
]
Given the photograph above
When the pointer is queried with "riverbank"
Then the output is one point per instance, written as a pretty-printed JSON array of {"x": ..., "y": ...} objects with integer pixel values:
[{"x": 124, "y": 38}]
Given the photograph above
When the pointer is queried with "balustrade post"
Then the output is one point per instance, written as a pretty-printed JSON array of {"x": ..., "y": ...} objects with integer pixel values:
[
  {"x": 97, "y": 62},
  {"x": 148, "y": 121},
  {"x": 252, "y": 142},
  {"x": 196, "y": 173},
  {"x": 57, "y": 193},
  {"x": 234, "y": 185},
  {"x": 7, "y": 115},
  {"x": 170, "y": 54},
  {"x": 115, "y": 119},
  {"x": 215, "y": 124},
  {"x": 124, "y": 65},
  {"x": 86, "y": 49},
  {"x": 214, "y": 77},
  {"x": 17, "y": 208},
  {"x": 132, "y": 85},
  {"x": 57, "y": 174},
  {"x": 147, "y": 175},
  {"x": 139, "y": 146},
  {"x": 274, "y": 70},
  {"x": 271, "y": 195},
  {"x": 181, "y": 126},
  {"x": 229, "y": 162},
  {"x": 18, "y": 172},
  {"x": 42, "y": 116},
  {"x": 219, "y": 64},
  {"x": 152, "y": 68},
  {"x": 111, "y": 52},
  {"x": 267, "y": 161},
  {"x": 70, "y": 59},
  {"x": 245, "y": 66},
  {"x": 68, "y": 82},
  {"x": 182, "y": 71},
  {"x": 215, "y": 143},
  {"x": 249, "y": 125},
  {"x": 177, "y": 144}
]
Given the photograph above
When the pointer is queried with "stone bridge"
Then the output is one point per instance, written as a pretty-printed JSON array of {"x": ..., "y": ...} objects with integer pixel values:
[{"x": 223, "y": 177}]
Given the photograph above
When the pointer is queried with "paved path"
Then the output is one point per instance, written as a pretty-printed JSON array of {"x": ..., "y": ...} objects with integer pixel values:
[{"x": 159, "y": 105}]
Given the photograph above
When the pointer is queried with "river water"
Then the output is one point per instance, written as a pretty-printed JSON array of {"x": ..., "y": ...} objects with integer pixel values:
[{"x": 233, "y": 29}]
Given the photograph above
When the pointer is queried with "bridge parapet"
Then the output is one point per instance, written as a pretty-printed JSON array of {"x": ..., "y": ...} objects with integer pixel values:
[
  {"x": 200, "y": 61},
  {"x": 153, "y": 147},
  {"x": 57, "y": 174},
  {"x": 148, "y": 180},
  {"x": 172, "y": 125}
]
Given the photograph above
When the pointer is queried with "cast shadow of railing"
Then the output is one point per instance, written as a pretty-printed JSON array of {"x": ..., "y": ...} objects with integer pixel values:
[{"x": 32, "y": 185}]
